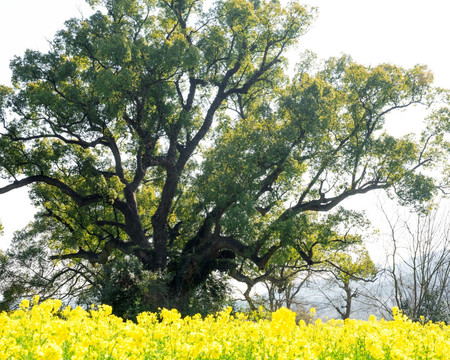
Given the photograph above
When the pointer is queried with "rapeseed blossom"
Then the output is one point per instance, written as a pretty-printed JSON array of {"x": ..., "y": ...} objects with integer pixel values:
[{"x": 45, "y": 331}]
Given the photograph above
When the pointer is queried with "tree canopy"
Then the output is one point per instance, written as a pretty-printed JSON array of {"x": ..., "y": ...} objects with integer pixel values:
[{"x": 171, "y": 134}]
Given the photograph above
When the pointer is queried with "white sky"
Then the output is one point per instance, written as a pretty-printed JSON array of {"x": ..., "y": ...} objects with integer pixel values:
[{"x": 403, "y": 32}]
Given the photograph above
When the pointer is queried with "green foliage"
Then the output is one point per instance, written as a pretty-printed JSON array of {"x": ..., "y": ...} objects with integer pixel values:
[
  {"x": 169, "y": 134},
  {"x": 209, "y": 297},
  {"x": 355, "y": 265},
  {"x": 124, "y": 285}
]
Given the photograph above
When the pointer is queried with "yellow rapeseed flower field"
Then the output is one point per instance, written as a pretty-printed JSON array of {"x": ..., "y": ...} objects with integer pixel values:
[{"x": 45, "y": 331}]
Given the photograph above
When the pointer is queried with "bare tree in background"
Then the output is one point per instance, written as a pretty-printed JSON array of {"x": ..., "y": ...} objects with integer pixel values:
[
  {"x": 416, "y": 278},
  {"x": 285, "y": 294},
  {"x": 281, "y": 286}
]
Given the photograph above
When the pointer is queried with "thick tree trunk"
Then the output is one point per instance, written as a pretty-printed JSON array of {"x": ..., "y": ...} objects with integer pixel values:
[{"x": 159, "y": 219}]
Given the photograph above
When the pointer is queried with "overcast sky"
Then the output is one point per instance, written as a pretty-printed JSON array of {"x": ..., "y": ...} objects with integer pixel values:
[{"x": 404, "y": 32}]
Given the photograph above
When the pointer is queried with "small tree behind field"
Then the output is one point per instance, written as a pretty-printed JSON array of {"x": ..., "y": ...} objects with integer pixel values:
[{"x": 343, "y": 282}]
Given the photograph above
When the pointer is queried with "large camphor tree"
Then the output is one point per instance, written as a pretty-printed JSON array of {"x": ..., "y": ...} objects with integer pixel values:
[{"x": 167, "y": 139}]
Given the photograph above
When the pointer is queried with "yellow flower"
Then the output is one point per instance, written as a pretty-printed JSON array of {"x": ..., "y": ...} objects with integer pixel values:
[
  {"x": 49, "y": 351},
  {"x": 41, "y": 332},
  {"x": 25, "y": 304}
]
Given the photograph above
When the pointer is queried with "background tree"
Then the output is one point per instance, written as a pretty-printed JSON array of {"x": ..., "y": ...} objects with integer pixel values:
[
  {"x": 278, "y": 287},
  {"x": 347, "y": 272},
  {"x": 416, "y": 277},
  {"x": 316, "y": 242},
  {"x": 170, "y": 136},
  {"x": 26, "y": 271}
]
